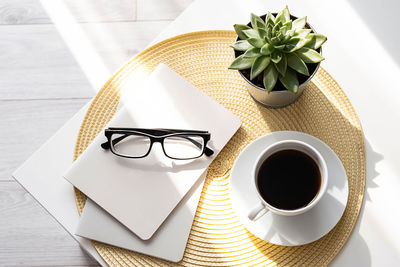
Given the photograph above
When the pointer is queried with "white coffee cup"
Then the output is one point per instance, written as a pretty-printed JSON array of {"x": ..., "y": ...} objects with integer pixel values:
[{"x": 264, "y": 206}]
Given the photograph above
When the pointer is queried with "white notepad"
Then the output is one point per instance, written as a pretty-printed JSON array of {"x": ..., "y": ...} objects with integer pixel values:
[
  {"x": 168, "y": 242},
  {"x": 141, "y": 193}
]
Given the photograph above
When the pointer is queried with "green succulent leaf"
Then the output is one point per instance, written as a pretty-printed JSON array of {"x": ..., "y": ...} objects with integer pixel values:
[
  {"x": 257, "y": 42},
  {"x": 288, "y": 24},
  {"x": 295, "y": 44},
  {"x": 309, "y": 55},
  {"x": 302, "y": 33},
  {"x": 290, "y": 32},
  {"x": 275, "y": 40},
  {"x": 277, "y": 27},
  {"x": 290, "y": 80},
  {"x": 283, "y": 16},
  {"x": 299, "y": 23},
  {"x": 256, "y": 22},
  {"x": 270, "y": 27},
  {"x": 288, "y": 48},
  {"x": 280, "y": 36},
  {"x": 276, "y": 56},
  {"x": 281, "y": 66},
  {"x": 270, "y": 19},
  {"x": 270, "y": 77},
  {"x": 267, "y": 49},
  {"x": 241, "y": 63},
  {"x": 280, "y": 47},
  {"x": 251, "y": 33},
  {"x": 287, "y": 37},
  {"x": 283, "y": 30},
  {"x": 253, "y": 52},
  {"x": 262, "y": 33},
  {"x": 241, "y": 45},
  {"x": 297, "y": 64},
  {"x": 239, "y": 28},
  {"x": 269, "y": 35},
  {"x": 315, "y": 40},
  {"x": 258, "y": 66}
]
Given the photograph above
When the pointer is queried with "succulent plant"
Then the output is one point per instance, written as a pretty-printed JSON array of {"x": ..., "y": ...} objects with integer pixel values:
[{"x": 277, "y": 48}]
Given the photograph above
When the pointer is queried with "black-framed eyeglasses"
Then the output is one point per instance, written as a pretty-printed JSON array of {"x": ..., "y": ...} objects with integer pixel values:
[{"x": 176, "y": 144}]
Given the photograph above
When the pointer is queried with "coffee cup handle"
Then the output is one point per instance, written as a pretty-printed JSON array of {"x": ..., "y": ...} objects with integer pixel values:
[{"x": 257, "y": 212}]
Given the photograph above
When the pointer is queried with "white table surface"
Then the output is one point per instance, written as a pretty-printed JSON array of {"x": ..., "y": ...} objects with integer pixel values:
[{"x": 361, "y": 55}]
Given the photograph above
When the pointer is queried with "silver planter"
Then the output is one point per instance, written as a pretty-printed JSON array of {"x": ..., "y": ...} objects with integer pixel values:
[
  {"x": 275, "y": 99},
  {"x": 281, "y": 98}
]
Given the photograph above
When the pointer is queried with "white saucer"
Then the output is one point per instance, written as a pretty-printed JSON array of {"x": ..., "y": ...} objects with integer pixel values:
[{"x": 288, "y": 230}]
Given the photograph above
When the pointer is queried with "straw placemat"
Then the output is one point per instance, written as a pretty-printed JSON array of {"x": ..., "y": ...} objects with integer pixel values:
[{"x": 217, "y": 237}]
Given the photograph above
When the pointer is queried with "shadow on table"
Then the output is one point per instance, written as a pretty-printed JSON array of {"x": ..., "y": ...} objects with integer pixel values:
[
  {"x": 321, "y": 115},
  {"x": 371, "y": 159}
]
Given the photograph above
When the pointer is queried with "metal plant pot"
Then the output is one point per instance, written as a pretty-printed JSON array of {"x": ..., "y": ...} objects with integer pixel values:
[
  {"x": 275, "y": 99},
  {"x": 278, "y": 97}
]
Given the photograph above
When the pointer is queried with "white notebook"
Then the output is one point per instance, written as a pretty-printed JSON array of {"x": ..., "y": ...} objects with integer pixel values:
[
  {"x": 141, "y": 193},
  {"x": 168, "y": 242}
]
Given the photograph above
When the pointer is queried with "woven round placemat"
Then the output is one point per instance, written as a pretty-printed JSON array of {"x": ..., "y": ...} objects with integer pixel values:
[{"x": 217, "y": 238}]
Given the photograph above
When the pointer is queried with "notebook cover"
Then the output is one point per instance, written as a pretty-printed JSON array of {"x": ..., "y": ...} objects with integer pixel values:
[{"x": 168, "y": 242}]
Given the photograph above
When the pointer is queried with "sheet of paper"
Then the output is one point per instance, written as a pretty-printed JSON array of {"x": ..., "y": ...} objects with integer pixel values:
[{"x": 41, "y": 176}]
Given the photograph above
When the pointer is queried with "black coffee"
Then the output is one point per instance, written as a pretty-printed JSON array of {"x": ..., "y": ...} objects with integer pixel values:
[{"x": 289, "y": 179}]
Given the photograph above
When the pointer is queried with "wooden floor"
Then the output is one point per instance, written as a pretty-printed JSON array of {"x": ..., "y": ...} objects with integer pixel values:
[{"x": 55, "y": 55}]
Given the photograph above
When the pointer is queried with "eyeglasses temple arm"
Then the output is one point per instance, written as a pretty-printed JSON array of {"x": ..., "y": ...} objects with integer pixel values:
[
  {"x": 208, "y": 151},
  {"x": 106, "y": 145}
]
